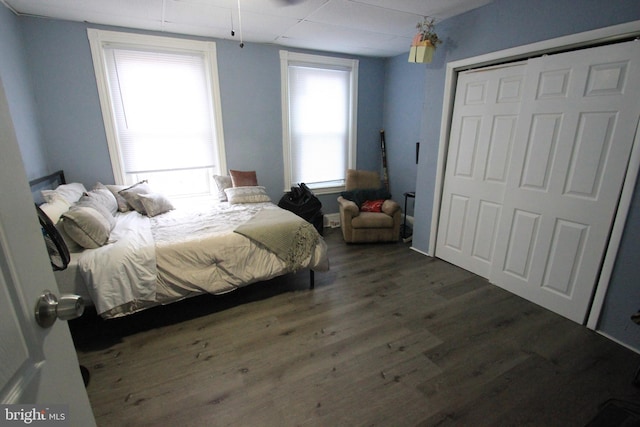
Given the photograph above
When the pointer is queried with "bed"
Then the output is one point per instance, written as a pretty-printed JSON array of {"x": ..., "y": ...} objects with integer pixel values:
[{"x": 168, "y": 255}]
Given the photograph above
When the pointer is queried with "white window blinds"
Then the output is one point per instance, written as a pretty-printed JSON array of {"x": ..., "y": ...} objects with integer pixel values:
[
  {"x": 162, "y": 108},
  {"x": 319, "y": 119}
]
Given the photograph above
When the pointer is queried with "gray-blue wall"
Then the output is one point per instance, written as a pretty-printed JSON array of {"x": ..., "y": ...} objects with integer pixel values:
[
  {"x": 59, "y": 60},
  {"x": 403, "y": 111},
  {"x": 501, "y": 25},
  {"x": 15, "y": 77}
]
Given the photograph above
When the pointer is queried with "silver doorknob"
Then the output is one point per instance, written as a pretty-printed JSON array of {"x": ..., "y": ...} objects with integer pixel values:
[{"x": 49, "y": 308}]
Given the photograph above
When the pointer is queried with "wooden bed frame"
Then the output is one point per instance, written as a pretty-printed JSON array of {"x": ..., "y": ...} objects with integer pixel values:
[{"x": 51, "y": 181}]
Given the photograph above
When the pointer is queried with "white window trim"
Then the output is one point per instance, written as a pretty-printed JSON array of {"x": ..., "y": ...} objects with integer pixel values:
[
  {"x": 285, "y": 58},
  {"x": 99, "y": 38}
]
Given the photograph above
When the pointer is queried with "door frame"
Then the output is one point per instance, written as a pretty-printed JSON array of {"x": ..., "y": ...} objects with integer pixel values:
[{"x": 585, "y": 39}]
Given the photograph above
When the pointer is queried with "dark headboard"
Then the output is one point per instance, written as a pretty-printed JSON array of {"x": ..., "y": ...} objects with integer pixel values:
[{"x": 48, "y": 182}]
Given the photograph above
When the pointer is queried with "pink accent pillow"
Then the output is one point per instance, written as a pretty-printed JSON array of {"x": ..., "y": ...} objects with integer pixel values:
[
  {"x": 243, "y": 178},
  {"x": 372, "y": 206}
]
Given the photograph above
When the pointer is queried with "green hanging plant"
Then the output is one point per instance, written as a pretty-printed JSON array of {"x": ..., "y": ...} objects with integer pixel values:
[
  {"x": 424, "y": 42},
  {"x": 426, "y": 30}
]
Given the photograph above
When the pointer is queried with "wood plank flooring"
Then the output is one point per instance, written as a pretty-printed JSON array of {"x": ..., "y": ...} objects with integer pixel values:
[{"x": 389, "y": 337}]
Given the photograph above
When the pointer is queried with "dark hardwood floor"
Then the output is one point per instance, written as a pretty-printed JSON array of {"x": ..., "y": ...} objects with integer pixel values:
[{"x": 389, "y": 337}]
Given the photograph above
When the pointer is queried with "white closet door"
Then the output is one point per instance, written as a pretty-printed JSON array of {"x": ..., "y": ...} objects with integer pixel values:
[
  {"x": 482, "y": 133},
  {"x": 575, "y": 132}
]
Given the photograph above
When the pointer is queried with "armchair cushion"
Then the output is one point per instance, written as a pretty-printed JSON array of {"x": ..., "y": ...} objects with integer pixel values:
[{"x": 372, "y": 220}]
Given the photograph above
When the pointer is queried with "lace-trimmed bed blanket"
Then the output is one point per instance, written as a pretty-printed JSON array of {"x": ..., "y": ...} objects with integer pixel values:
[{"x": 284, "y": 233}]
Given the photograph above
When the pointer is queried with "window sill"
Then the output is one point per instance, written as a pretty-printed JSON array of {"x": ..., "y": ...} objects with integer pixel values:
[{"x": 327, "y": 190}]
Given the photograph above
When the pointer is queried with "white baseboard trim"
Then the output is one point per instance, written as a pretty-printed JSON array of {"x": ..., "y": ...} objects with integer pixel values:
[
  {"x": 332, "y": 220},
  {"x": 413, "y": 248},
  {"x": 617, "y": 341}
]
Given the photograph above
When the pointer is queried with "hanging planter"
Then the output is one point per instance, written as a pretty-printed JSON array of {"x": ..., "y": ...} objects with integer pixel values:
[
  {"x": 421, "y": 50},
  {"x": 424, "y": 43}
]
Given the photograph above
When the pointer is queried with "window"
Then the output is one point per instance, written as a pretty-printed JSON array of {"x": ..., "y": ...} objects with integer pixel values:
[
  {"x": 161, "y": 108},
  {"x": 319, "y": 119}
]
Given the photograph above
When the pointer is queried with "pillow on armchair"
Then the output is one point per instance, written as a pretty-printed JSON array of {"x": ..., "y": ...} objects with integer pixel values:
[
  {"x": 372, "y": 206},
  {"x": 362, "y": 195}
]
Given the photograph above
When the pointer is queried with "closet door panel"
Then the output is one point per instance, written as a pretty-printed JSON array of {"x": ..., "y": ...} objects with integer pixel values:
[
  {"x": 483, "y": 130},
  {"x": 575, "y": 132}
]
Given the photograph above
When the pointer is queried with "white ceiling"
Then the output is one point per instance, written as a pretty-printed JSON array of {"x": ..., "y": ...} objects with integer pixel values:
[{"x": 380, "y": 28}]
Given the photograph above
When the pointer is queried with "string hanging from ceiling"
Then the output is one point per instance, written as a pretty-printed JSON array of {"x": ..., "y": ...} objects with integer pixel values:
[
  {"x": 233, "y": 33},
  {"x": 240, "y": 25}
]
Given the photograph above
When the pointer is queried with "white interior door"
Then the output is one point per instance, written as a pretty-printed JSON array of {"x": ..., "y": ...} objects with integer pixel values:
[
  {"x": 37, "y": 365},
  {"x": 569, "y": 159},
  {"x": 482, "y": 132}
]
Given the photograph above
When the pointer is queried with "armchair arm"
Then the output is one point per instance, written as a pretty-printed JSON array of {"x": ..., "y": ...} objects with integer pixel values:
[
  {"x": 348, "y": 211},
  {"x": 390, "y": 207},
  {"x": 348, "y": 208}
]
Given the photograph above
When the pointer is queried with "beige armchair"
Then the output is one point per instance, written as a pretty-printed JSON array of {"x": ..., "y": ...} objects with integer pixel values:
[{"x": 362, "y": 227}]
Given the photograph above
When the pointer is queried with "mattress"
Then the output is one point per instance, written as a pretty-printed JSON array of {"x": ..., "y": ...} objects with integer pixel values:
[{"x": 70, "y": 280}]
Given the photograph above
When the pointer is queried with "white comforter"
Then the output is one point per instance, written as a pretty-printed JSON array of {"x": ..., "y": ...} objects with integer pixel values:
[
  {"x": 180, "y": 253},
  {"x": 124, "y": 270}
]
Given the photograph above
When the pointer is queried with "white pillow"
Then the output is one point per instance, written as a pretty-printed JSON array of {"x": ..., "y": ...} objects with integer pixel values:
[
  {"x": 255, "y": 194},
  {"x": 72, "y": 245},
  {"x": 54, "y": 211},
  {"x": 105, "y": 197},
  {"x": 132, "y": 195},
  {"x": 92, "y": 202},
  {"x": 223, "y": 182},
  {"x": 123, "y": 206},
  {"x": 155, "y": 204},
  {"x": 86, "y": 226},
  {"x": 70, "y": 192},
  {"x": 55, "y": 208}
]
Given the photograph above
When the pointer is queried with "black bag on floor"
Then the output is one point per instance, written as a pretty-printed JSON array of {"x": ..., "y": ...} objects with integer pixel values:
[{"x": 301, "y": 201}]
